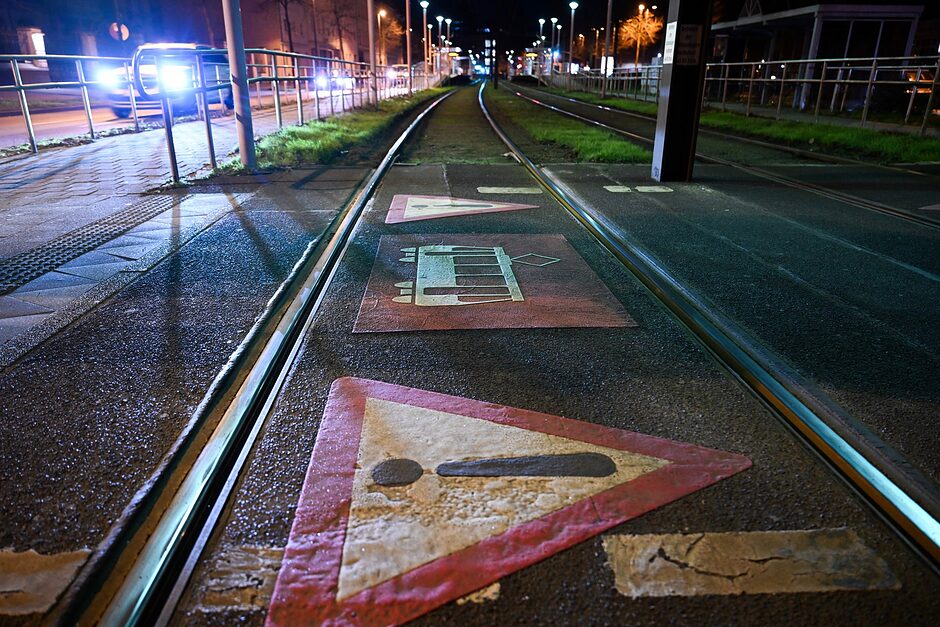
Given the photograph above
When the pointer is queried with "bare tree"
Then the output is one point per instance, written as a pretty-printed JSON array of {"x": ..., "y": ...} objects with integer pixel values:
[
  {"x": 342, "y": 13},
  {"x": 283, "y": 10},
  {"x": 392, "y": 32},
  {"x": 640, "y": 30}
]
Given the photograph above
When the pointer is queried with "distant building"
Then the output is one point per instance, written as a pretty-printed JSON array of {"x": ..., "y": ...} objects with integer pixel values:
[{"x": 815, "y": 31}]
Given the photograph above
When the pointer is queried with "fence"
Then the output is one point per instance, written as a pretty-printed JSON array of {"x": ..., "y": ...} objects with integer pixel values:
[
  {"x": 898, "y": 87},
  {"x": 182, "y": 80}
]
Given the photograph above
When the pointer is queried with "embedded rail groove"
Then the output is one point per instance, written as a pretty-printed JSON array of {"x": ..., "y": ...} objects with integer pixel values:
[
  {"x": 243, "y": 393},
  {"x": 789, "y": 398},
  {"x": 819, "y": 190}
]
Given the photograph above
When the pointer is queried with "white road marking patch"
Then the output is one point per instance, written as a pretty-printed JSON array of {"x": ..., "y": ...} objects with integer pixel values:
[
  {"x": 617, "y": 189},
  {"x": 653, "y": 189},
  {"x": 489, "y": 593},
  {"x": 930, "y": 208},
  {"x": 31, "y": 582},
  {"x": 760, "y": 562},
  {"x": 240, "y": 578},
  {"x": 509, "y": 190}
]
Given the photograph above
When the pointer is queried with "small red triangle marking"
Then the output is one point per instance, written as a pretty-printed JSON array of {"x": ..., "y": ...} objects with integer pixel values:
[
  {"x": 308, "y": 582},
  {"x": 413, "y": 207}
]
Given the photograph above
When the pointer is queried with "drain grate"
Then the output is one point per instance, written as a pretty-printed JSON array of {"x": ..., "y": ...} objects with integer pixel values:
[{"x": 26, "y": 266}]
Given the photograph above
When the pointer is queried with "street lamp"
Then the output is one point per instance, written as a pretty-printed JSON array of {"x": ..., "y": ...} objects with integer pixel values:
[
  {"x": 448, "y": 21},
  {"x": 606, "y": 71},
  {"x": 427, "y": 40},
  {"x": 431, "y": 46},
  {"x": 382, "y": 56},
  {"x": 554, "y": 21},
  {"x": 573, "y": 5},
  {"x": 541, "y": 25}
]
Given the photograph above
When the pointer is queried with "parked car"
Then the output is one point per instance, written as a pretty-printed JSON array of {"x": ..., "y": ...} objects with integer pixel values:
[{"x": 177, "y": 74}]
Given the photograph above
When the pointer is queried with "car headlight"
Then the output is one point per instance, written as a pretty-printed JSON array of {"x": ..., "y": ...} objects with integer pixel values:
[
  {"x": 110, "y": 79},
  {"x": 392, "y": 74},
  {"x": 322, "y": 83},
  {"x": 175, "y": 78}
]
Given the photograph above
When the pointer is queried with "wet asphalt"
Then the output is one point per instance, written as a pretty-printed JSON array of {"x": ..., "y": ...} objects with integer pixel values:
[
  {"x": 652, "y": 379},
  {"x": 90, "y": 413}
]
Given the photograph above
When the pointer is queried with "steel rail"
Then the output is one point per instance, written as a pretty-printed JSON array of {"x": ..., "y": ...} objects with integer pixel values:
[
  {"x": 819, "y": 190},
  {"x": 784, "y": 394},
  {"x": 181, "y": 530}
]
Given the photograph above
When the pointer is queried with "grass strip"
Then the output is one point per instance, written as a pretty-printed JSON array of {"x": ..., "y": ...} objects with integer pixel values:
[
  {"x": 324, "y": 141},
  {"x": 848, "y": 141},
  {"x": 587, "y": 143}
]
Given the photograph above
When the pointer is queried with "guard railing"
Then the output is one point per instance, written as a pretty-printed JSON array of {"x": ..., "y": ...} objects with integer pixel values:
[
  {"x": 182, "y": 80},
  {"x": 903, "y": 89}
]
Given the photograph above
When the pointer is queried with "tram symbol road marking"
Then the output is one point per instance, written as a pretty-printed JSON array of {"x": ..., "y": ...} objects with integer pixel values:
[
  {"x": 483, "y": 282},
  {"x": 409, "y": 208},
  {"x": 463, "y": 275},
  {"x": 413, "y": 499}
]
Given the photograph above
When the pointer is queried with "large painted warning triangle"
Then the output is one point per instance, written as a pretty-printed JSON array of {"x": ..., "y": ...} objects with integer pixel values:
[
  {"x": 413, "y": 499},
  {"x": 409, "y": 208}
]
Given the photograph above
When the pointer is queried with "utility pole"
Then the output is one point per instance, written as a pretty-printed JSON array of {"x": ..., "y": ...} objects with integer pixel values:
[
  {"x": 408, "y": 41},
  {"x": 238, "y": 68},
  {"x": 604, "y": 69},
  {"x": 370, "y": 8},
  {"x": 681, "y": 89}
]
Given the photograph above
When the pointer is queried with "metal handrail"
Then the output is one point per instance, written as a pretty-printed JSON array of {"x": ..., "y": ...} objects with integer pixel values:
[{"x": 849, "y": 81}]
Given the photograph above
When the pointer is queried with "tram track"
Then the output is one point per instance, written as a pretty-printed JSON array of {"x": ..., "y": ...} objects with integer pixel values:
[
  {"x": 819, "y": 190},
  {"x": 819, "y": 421},
  {"x": 181, "y": 523}
]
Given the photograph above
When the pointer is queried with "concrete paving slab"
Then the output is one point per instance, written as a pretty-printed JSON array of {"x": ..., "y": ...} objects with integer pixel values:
[
  {"x": 13, "y": 327},
  {"x": 11, "y": 307}
]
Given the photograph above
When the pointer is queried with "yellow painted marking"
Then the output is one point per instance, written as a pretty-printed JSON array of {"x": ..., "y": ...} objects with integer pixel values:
[{"x": 31, "y": 582}]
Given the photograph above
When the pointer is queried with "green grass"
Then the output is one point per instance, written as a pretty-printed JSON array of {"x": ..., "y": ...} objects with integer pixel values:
[
  {"x": 588, "y": 144},
  {"x": 857, "y": 143},
  {"x": 844, "y": 140},
  {"x": 325, "y": 141}
]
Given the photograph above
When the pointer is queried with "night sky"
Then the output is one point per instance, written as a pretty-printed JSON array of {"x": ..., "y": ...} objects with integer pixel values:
[{"x": 516, "y": 21}]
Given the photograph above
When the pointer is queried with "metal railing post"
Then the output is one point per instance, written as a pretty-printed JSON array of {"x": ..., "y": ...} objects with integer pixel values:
[
  {"x": 133, "y": 98},
  {"x": 300, "y": 100},
  {"x": 257, "y": 73},
  {"x": 868, "y": 90},
  {"x": 276, "y": 90},
  {"x": 750, "y": 90},
  {"x": 783, "y": 84},
  {"x": 822, "y": 83},
  {"x": 724, "y": 88},
  {"x": 86, "y": 101},
  {"x": 316, "y": 87},
  {"x": 910, "y": 102},
  {"x": 933, "y": 91},
  {"x": 168, "y": 125},
  {"x": 204, "y": 98},
  {"x": 24, "y": 105},
  {"x": 329, "y": 82}
]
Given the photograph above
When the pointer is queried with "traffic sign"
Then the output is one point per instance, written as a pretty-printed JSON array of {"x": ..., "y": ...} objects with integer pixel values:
[
  {"x": 409, "y": 207},
  {"x": 413, "y": 499},
  {"x": 475, "y": 281}
]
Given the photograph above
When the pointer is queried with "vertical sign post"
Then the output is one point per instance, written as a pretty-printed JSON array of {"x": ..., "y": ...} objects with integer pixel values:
[
  {"x": 238, "y": 68},
  {"x": 681, "y": 90}
]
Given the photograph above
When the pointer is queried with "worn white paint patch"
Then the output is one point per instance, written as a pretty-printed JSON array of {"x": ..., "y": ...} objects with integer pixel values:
[
  {"x": 393, "y": 530},
  {"x": 761, "y": 562},
  {"x": 653, "y": 189},
  {"x": 240, "y": 578},
  {"x": 930, "y": 208},
  {"x": 617, "y": 189},
  {"x": 509, "y": 190},
  {"x": 31, "y": 582},
  {"x": 489, "y": 593}
]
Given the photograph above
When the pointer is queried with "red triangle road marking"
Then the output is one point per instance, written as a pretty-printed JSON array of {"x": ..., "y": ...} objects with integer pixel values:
[
  {"x": 411, "y": 207},
  {"x": 365, "y": 550}
]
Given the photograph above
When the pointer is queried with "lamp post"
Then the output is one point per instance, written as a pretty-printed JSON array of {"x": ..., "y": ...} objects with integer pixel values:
[
  {"x": 573, "y": 5},
  {"x": 541, "y": 25},
  {"x": 431, "y": 46},
  {"x": 606, "y": 71},
  {"x": 448, "y": 21},
  {"x": 382, "y": 57},
  {"x": 554, "y": 21},
  {"x": 440, "y": 43},
  {"x": 424, "y": 39},
  {"x": 408, "y": 41}
]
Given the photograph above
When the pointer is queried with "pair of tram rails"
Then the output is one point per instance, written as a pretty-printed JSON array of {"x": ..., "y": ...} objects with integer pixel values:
[{"x": 156, "y": 547}]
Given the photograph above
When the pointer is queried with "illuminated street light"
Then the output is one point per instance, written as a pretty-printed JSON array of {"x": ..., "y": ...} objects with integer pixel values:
[
  {"x": 427, "y": 42},
  {"x": 573, "y": 5},
  {"x": 382, "y": 56},
  {"x": 554, "y": 21},
  {"x": 448, "y": 21},
  {"x": 541, "y": 25}
]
